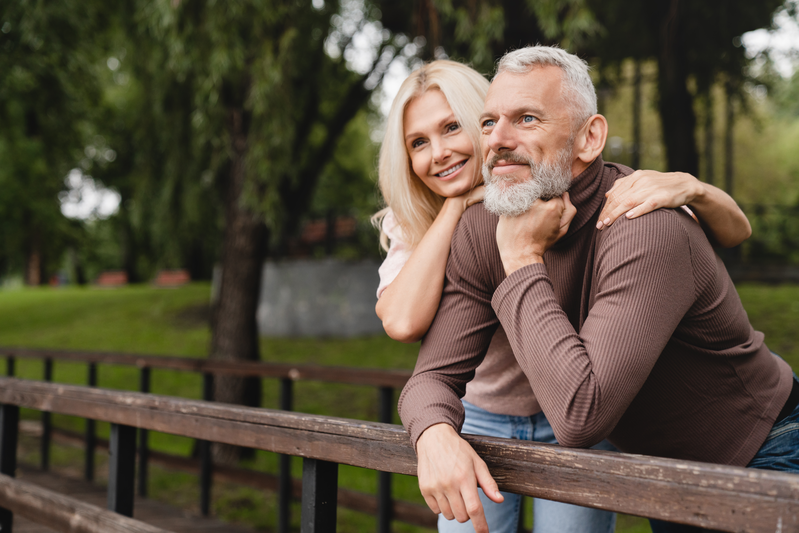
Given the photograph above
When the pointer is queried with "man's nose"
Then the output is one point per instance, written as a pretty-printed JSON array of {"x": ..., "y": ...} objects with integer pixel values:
[{"x": 502, "y": 137}]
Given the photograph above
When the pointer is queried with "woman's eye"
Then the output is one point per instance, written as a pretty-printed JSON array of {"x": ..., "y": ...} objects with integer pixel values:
[
  {"x": 528, "y": 119},
  {"x": 417, "y": 143},
  {"x": 452, "y": 127}
]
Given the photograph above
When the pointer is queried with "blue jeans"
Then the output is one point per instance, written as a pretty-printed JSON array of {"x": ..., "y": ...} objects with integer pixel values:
[
  {"x": 780, "y": 452},
  {"x": 550, "y": 517}
]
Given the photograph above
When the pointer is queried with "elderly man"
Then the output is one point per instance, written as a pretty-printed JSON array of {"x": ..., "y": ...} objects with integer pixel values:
[{"x": 634, "y": 333}]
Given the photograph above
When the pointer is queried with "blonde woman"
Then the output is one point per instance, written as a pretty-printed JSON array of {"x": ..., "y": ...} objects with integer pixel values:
[{"x": 429, "y": 173}]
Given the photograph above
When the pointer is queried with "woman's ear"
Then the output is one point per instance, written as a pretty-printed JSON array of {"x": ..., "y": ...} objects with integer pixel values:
[{"x": 590, "y": 140}]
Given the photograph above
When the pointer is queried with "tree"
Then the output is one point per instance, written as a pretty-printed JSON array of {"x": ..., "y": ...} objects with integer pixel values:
[
  {"x": 46, "y": 91},
  {"x": 270, "y": 93},
  {"x": 690, "y": 41}
]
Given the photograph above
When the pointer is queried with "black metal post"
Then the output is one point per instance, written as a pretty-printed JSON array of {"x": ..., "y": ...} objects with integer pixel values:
[
  {"x": 520, "y": 527},
  {"x": 319, "y": 493},
  {"x": 10, "y": 366},
  {"x": 46, "y": 421},
  {"x": 206, "y": 463},
  {"x": 121, "y": 469},
  {"x": 91, "y": 437},
  {"x": 9, "y": 431},
  {"x": 284, "y": 464},
  {"x": 384, "y": 504},
  {"x": 144, "y": 437}
]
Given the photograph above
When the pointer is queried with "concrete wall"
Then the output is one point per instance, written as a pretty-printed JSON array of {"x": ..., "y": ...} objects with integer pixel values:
[{"x": 327, "y": 298}]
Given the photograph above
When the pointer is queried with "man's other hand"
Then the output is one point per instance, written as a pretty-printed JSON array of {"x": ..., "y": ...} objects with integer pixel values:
[
  {"x": 522, "y": 240},
  {"x": 449, "y": 472}
]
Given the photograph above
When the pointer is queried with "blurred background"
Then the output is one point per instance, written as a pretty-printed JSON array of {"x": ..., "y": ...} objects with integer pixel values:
[{"x": 228, "y": 149}]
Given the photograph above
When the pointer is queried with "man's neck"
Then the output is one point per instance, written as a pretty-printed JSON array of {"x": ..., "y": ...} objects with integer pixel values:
[{"x": 585, "y": 193}]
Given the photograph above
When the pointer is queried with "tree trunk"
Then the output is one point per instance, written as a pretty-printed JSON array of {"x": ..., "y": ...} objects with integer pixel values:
[
  {"x": 636, "y": 155},
  {"x": 710, "y": 141},
  {"x": 728, "y": 144},
  {"x": 234, "y": 328},
  {"x": 676, "y": 103},
  {"x": 33, "y": 266}
]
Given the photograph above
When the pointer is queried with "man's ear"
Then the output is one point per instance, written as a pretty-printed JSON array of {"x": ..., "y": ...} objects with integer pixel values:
[{"x": 590, "y": 140}]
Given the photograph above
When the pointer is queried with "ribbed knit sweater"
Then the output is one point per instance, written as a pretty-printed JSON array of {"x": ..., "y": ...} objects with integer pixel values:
[{"x": 634, "y": 333}]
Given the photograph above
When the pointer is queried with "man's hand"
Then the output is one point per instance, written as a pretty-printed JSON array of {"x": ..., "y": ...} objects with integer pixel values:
[
  {"x": 522, "y": 240},
  {"x": 449, "y": 472}
]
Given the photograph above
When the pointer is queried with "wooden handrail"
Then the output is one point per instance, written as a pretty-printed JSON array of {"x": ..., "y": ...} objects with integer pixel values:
[
  {"x": 711, "y": 496},
  {"x": 332, "y": 374},
  {"x": 410, "y": 513},
  {"x": 63, "y": 513}
]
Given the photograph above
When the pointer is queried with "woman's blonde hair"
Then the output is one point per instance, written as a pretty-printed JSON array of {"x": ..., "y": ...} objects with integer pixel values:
[{"x": 414, "y": 205}]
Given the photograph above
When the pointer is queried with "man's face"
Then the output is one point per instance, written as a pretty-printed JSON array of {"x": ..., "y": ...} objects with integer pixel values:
[{"x": 527, "y": 144}]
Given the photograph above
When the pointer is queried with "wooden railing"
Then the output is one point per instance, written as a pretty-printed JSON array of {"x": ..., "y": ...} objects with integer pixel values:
[
  {"x": 383, "y": 505},
  {"x": 711, "y": 496}
]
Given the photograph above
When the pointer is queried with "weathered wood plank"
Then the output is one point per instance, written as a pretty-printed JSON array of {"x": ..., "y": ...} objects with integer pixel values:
[
  {"x": 63, "y": 513},
  {"x": 330, "y": 374},
  {"x": 152, "y": 512},
  {"x": 721, "y": 497},
  {"x": 407, "y": 512}
]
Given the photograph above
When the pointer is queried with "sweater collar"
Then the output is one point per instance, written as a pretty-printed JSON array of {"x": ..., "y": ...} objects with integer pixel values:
[{"x": 585, "y": 194}]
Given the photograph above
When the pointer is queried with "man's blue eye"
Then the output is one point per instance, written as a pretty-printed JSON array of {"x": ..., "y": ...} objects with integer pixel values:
[
  {"x": 488, "y": 123},
  {"x": 528, "y": 118}
]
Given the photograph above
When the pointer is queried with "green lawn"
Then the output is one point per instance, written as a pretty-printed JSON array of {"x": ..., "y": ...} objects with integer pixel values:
[{"x": 145, "y": 319}]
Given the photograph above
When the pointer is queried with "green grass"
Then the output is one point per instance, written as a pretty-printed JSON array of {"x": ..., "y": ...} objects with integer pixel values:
[{"x": 145, "y": 319}]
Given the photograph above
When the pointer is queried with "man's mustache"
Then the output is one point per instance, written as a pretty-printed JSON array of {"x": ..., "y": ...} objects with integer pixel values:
[{"x": 507, "y": 157}]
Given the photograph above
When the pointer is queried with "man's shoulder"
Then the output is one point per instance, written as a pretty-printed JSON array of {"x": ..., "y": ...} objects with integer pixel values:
[
  {"x": 662, "y": 231},
  {"x": 477, "y": 214},
  {"x": 478, "y": 225},
  {"x": 474, "y": 243},
  {"x": 616, "y": 170}
]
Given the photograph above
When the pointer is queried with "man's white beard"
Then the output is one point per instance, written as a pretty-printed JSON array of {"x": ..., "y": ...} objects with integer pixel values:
[{"x": 506, "y": 196}]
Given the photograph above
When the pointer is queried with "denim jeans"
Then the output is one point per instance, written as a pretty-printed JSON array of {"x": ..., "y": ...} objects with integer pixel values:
[
  {"x": 550, "y": 517},
  {"x": 780, "y": 452}
]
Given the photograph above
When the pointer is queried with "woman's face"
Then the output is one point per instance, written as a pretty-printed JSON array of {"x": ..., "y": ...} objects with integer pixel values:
[{"x": 441, "y": 153}]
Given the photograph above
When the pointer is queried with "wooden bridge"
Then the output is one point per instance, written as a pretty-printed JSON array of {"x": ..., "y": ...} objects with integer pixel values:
[{"x": 712, "y": 496}]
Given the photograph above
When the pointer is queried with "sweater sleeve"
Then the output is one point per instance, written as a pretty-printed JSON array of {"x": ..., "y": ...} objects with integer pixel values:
[
  {"x": 585, "y": 381},
  {"x": 456, "y": 342}
]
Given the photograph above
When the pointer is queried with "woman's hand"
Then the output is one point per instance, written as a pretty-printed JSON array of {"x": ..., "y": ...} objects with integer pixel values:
[
  {"x": 644, "y": 191},
  {"x": 469, "y": 198},
  {"x": 524, "y": 239}
]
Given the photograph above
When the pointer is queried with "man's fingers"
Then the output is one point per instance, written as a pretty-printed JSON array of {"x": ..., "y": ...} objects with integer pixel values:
[
  {"x": 486, "y": 482},
  {"x": 474, "y": 508},
  {"x": 432, "y": 503}
]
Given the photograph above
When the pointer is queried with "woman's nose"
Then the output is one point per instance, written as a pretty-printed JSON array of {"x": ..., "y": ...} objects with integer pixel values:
[{"x": 440, "y": 151}]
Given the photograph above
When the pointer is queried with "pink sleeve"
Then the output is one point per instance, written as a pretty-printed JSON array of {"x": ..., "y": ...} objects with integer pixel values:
[{"x": 398, "y": 253}]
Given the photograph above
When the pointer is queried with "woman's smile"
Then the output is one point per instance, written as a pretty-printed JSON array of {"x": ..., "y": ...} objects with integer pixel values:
[
  {"x": 451, "y": 171},
  {"x": 441, "y": 152}
]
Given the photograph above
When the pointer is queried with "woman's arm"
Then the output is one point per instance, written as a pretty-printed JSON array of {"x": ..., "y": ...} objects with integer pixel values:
[
  {"x": 646, "y": 190},
  {"x": 408, "y": 305}
]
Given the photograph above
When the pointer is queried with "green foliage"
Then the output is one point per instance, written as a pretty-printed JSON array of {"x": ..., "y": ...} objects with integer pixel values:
[{"x": 46, "y": 94}]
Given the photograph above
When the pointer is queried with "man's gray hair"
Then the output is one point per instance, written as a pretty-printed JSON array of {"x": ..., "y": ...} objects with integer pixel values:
[{"x": 578, "y": 88}]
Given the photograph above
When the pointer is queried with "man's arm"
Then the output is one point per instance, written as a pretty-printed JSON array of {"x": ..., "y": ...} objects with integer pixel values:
[
  {"x": 449, "y": 470},
  {"x": 586, "y": 381},
  {"x": 460, "y": 333}
]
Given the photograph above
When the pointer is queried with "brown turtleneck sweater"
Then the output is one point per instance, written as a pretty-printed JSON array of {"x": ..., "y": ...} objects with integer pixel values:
[{"x": 634, "y": 334}]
